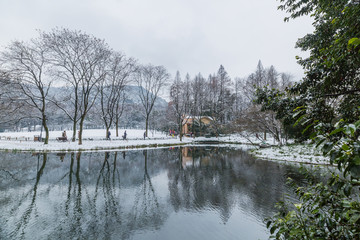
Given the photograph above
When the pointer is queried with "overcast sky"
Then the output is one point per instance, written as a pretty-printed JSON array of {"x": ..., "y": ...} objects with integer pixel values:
[{"x": 187, "y": 35}]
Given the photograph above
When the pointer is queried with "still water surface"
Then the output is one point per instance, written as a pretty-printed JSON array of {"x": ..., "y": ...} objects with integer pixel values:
[{"x": 178, "y": 193}]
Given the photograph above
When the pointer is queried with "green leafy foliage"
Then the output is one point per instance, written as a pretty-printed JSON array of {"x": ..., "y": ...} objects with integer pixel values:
[
  {"x": 329, "y": 91},
  {"x": 331, "y": 86},
  {"x": 329, "y": 209},
  {"x": 326, "y": 211}
]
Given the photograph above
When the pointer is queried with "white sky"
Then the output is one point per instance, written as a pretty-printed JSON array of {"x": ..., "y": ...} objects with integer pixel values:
[{"x": 187, "y": 35}]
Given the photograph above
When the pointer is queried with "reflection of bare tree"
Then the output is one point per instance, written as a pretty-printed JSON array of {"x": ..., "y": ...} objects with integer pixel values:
[
  {"x": 25, "y": 217},
  {"x": 77, "y": 207},
  {"x": 146, "y": 211},
  {"x": 15, "y": 173},
  {"x": 68, "y": 199},
  {"x": 105, "y": 203},
  {"x": 115, "y": 170},
  {"x": 112, "y": 207},
  {"x": 85, "y": 199},
  {"x": 74, "y": 197},
  {"x": 9, "y": 174},
  {"x": 106, "y": 180}
]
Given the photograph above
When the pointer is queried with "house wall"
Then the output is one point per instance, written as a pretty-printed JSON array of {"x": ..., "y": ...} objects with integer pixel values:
[{"x": 187, "y": 124}]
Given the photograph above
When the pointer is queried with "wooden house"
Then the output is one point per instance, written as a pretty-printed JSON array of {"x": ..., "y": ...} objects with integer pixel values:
[{"x": 188, "y": 121}]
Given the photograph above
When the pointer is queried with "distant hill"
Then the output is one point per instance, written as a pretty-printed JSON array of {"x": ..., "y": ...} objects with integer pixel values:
[
  {"x": 132, "y": 117},
  {"x": 132, "y": 97}
]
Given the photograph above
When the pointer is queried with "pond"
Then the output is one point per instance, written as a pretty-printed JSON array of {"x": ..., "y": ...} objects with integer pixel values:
[{"x": 177, "y": 193}]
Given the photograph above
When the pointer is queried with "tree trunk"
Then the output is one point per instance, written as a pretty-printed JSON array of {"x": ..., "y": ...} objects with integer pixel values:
[
  {"x": 179, "y": 123},
  {"x": 46, "y": 129},
  {"x": 46, "y": 134},
  {"x": 74, "y": 132},
  {"x": 265, "y": 135},
  {"x": 117, "y": 127},
  {"x": 80, "y": 130},
  {"x": 146, "y": 125},
  {"x": 200, "y": 127},
  {"x": 180, "y": 132},
  {"x": 107, "y": 131}
]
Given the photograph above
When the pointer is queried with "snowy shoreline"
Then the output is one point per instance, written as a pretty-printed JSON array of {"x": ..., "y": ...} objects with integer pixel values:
[
  {"x": 88, "y": 145},
  {"x": 298, "y": 153},
  {"x": 94, "y": 141}
]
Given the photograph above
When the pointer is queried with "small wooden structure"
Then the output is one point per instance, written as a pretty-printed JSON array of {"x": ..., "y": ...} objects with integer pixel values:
[
  {"x": 62, "y": 139},
  {"x": 188, "y": 121}
]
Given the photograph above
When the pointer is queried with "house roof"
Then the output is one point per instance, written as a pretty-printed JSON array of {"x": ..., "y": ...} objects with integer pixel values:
[{"x": 198, "y": 117}]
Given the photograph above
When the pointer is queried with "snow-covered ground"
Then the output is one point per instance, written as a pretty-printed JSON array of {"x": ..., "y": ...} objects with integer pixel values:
[
  {"x": 302, "y": 153},
  {"x": 94, "y": 139},
  {"x": 95, "y": 134}
]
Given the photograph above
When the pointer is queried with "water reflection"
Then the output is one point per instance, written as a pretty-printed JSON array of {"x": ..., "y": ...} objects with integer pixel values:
[
  {"x": 198, "y": 193},
  {"x": 146, "y": 211},
  {"x": 30, "y": 195},
  {"x": 223, "y": 180}
]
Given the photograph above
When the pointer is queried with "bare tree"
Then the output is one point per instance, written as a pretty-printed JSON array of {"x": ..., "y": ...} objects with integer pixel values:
[
  {"x": 119, "y": 109},
  {"x": 213, "y": 95},
  {"x": 80, "y": 61},
  {"x": 272, "y": 77},
  {"x": 187, "y": 93},
  {"x": 12, "y": 109},
  {"x": 180, "y": 101},
  {"x": 224, "y": 99},
  {"x": 174, "y": 106},
  {"x": 150, "y": 79},
  {"x": 240, "y": 103},
  {"x": 252, "y": 120},
  {"x": 112, "y": 94},
  {"x": 254, "y": 81},
  {"x": 25, "y": 66},
  {"x": 285, "y": 81},
  {"x": 199, "y": 93}
]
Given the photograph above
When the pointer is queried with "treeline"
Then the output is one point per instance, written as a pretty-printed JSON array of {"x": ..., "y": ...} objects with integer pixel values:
[
  {"x": 92, "y": 77},
  {"x": 230, "y": 103},
  {"x": 75, "y": 78}
]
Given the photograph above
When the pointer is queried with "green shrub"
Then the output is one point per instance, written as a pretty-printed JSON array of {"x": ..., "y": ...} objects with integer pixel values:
[{"x": 328, "y": 209}]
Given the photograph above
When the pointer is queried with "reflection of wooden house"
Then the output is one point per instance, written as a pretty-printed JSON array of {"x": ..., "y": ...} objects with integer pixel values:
[
  {"x": 187, "y": 158},
  {"x": 188, "y": 121}
]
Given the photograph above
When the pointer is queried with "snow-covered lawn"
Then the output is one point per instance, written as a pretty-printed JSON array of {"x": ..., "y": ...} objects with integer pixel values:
[
  {"x": 302, "y": 153},
  {"x": 95, "y": 134},
  {"x": 94, "y": 139}
]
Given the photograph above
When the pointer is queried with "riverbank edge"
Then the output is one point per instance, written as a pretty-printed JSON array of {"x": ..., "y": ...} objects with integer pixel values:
[
  {"x": 95, "y": 149},
  {"x": 287, "y": 161},
  {"x": 126, "y": 147},
  {"x": 252, "y": 150},
  {"x": 309, "y": 154}
]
